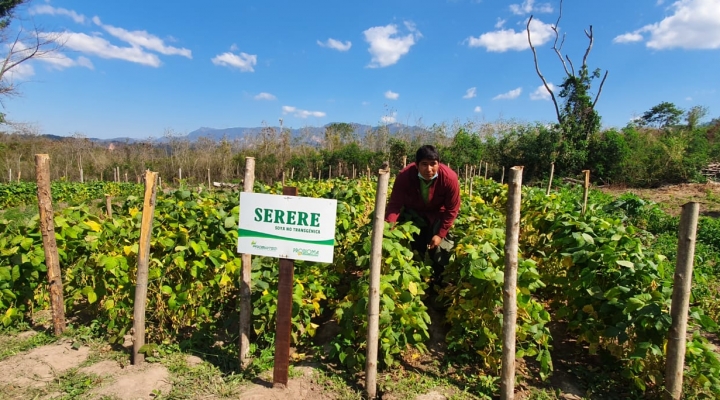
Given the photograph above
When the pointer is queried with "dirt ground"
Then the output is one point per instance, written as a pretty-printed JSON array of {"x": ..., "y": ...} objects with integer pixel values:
[{"x": 672, "y": 197}]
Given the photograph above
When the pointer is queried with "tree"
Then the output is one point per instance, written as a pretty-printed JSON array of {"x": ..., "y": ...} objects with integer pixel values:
[
  {"x": 576, "y": 116},
  {"x": 21, "y": 45},
  {"x": 694, "y": 115},
  {"x": 662, "y": 115}
]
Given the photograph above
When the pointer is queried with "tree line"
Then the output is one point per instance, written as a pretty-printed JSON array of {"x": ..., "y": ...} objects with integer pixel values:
[{"x": 665, "y": 145}]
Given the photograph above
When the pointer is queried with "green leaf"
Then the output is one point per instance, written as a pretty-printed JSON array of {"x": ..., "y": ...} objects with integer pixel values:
[
  {"x": 166, "y": 289},
  {"x": 92, "y": 297},
  {"x": 626, "y": 264}
]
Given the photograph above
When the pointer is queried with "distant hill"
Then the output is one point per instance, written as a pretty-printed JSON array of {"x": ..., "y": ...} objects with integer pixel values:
[{"x": 241, "y": 132}]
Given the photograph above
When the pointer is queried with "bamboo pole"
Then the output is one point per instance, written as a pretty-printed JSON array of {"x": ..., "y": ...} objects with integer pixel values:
[
  {"x": 682, "y": 282},
  {"x": 586, "y": 189},
  {"x": 512, "y": 232},
  {"x": 552, "y": 171},
  {"x": 141, "y": 285},
  {"x": 108, "y": 206},
  {"x": 47, "y": 228},
  {"x": 374, "y": 295},
  {"x": 245, "y": 293}
]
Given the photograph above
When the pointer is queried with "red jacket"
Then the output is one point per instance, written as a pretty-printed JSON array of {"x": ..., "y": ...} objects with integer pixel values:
[{"x": 443, "y": 197}]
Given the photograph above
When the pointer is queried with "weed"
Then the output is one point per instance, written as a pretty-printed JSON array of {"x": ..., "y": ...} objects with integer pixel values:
[{"x": 17, "y": 343}]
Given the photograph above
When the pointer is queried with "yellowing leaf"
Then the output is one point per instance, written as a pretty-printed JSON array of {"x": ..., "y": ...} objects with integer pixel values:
[
  {"x": 225, "y": 280},
  {"x": 412, "y": 288},
  {"x": 588, "y": 308},
  {"x": 133, "y": 212},
  {"x": 94, "y": 226},
  {"x": 127, "y": 250},
  {"x": 567, "y": 262}
]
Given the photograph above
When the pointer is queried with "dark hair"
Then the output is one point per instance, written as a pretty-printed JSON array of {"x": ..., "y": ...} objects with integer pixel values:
[{"x": 427, "y": 152}]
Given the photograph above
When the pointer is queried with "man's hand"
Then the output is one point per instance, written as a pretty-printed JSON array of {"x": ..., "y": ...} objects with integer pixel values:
[{"x": 434, "y": 242}]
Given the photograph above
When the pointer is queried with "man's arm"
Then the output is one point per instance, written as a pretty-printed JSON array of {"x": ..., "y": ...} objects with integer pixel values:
[
  {"x": 397, "y": 198},
  {"x": 452, "y": 207}
]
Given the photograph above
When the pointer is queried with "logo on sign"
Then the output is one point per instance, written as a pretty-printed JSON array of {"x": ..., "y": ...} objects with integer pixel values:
[
  {"x": 306, "y": 252},
  {"x": 261, "y": 247}
]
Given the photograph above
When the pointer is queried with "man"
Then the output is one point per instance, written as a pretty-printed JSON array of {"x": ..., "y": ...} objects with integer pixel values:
[{"x": 428, "y": 191}]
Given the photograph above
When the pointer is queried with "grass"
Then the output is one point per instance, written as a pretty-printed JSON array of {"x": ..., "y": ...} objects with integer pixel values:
[{"x": 13, "y": 342}]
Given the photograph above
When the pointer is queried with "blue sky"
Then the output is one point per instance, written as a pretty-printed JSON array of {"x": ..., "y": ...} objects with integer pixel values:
[{"x": 138, "y": 68}]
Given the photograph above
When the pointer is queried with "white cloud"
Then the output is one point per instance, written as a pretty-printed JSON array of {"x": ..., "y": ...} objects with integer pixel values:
[
  {"x": 386, "y": 47},
  {"x": 513, "y": 94},
  {"x": 265, "y": 96},
  {"x": 694, "y": 24},
  {"x": 688, "y": 98},
  {"x": 470, "y": 93},
  {"x": 541, "y": 92},
  {"x": 61, "y": 61},
  {"x": 243, "y": 61},
  {"x": 508, "y": 39},
  {"x": 500, "y": 23},
  {"x": 529, "y": 6},
  {"x": 477, "y": 109},
  {"x": 389, "y": 119},
  {"x": 335, "y": 44},
  {"x": 143, "y": 39},
  {"x": 629, "y": 37},
  {"x": 50, "y": 10},
  {"x": 100, "y": 47},
  {"x": 391, "y": 95},
  {"x": 20, "y": 72},
  {"x": 301, "y": 113}
]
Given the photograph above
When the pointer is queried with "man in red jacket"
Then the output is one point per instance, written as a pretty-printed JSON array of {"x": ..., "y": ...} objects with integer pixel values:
[{"x": 429, "y": 191}]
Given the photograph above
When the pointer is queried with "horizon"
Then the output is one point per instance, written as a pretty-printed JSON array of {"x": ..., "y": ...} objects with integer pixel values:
[{"x": 226, "y": 65}]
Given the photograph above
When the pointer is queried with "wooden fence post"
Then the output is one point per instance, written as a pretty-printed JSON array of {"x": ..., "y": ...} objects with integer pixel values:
[
  {"x": 552, "y": 171},
  {"x": 209, "y": 184},
  {"x": 404, "y": 161},
  {"x": 10, "y": 175},
  {"x": 682, "y": 283},
  {"x": 329, "y": 172},
  {"x": 82, "y": 177},
  {"x": 486, "y": 169},
  {"x": 141, "y": 285},
  {"x": 586, "y": 189},
  {"x": 512, "y": 232},
  {"x": 502, "y": 177},
  {"x": 47, "y": 229},
  {"x": 283, "y": 326},
  {"x": 374, "y": 295},
  {"x": 245, "y": 282},
  {"x": 108, "y": 205}
]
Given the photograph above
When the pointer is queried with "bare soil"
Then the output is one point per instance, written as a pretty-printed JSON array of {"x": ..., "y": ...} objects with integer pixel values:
[{"x": 672, "y": 197}]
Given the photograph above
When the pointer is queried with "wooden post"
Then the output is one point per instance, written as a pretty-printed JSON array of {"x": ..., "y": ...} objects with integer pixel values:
[
  {"x": 126, "y": 178},
  {"x": 339, "y": 171},
  {"x": 367, "y": 167},
  {"x": 682, "y": 283},
  {"x": 283, "y": 178},
  {"x": 180, "y": 173},
  {"x": 19, "y": 175},
  {"x": 502, "y": 177},
  {"x": 209, "y": 185},
  {"x": 10, "y": 175},
  {"x": 512, "y": 232},
  {"x": 159, "y": 182},
  {"x": 486, "y": 169},
  {"x": 108, "y": 205},
  {"x": 552, "y": 171},
  {"x": 245, "y": 282},
  {"x": 354, "y": 172},
  {"x": 404, "y": 161},
  {"x": 141, "y": 285},
  {"x": 374, "y": 295},
  {"x": 82, "y": 178},
  {"x": 284, "y": 314},
  {"x": 471, "y": 186},
  {"x": 47, "y": 228},
  {"x": 292, "y": 173},
  {"x": 329, "y": 172},
  {"x": 586, "y": 188}
]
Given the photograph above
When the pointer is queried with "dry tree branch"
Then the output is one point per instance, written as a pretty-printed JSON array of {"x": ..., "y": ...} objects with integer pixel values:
[
  {"x": 600, "y": 89},
  {"x": 587, "y": 51},
  {"x": 537, "y": 69}
]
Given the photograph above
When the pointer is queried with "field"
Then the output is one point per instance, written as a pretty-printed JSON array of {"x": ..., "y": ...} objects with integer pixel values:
[{"x": 594, "y": 295}]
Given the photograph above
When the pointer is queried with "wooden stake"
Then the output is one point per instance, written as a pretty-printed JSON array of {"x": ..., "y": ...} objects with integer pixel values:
[
  {"x": 374, "y": 295},
  {"x": 354, "y": 172},
  {"x": 209, "y": 185},
  {"x": 141, "y": 285},
  {"x": 682, "y": 282},
  {"x": 292, "y": 173},
  {"x": 284, "y": 314},
  {"x": 47, "y": 228},
  {"x": 245, "y": 293},
  {"x": 404, "y": 162},
  {"x": 586, "y": 189},
  {"x": 502, "y": 177},
  {"x": 180, "y": 173},
  {"x": 82, "y": 178},
  {"x": 10, "y": 175},
  {"x": 486, "y": 169},
  {"x": 512, "y": 233},
  {"x": 552, "y": 171},
  {"x": 329, "y": 172},
  {"x": 108, "y": 205},
  {"x": 126, "y": 178}
]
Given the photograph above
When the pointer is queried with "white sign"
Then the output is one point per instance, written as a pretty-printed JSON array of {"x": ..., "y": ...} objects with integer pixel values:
[{"x": 298, "y": 228}]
